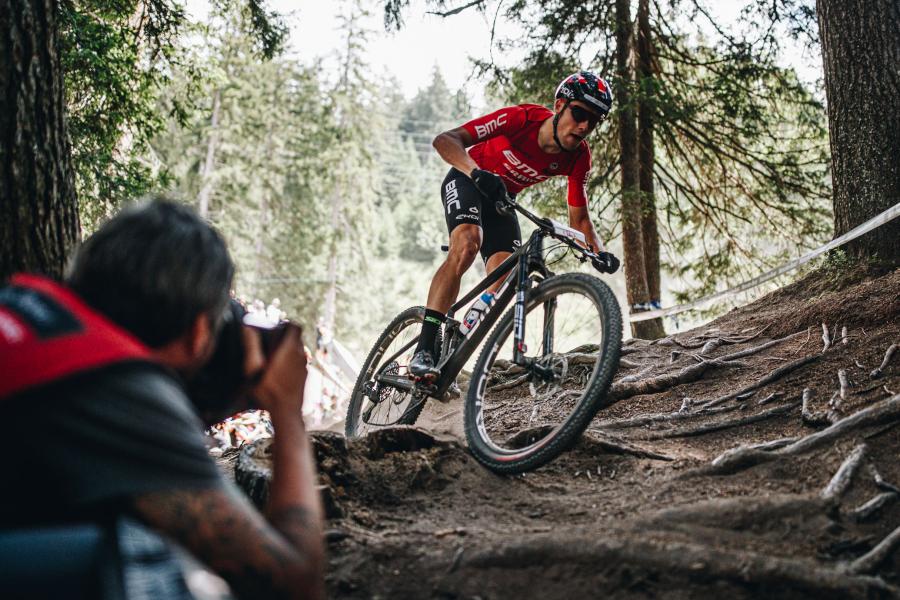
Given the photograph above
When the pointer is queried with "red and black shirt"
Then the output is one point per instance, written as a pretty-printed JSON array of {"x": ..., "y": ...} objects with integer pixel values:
[{"x": 508, "y": 146}]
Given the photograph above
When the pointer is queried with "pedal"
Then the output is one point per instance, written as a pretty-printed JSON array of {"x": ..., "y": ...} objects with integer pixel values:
[
  {"x": 426, "y": 388},
  {"x": 453, "y": 393}
]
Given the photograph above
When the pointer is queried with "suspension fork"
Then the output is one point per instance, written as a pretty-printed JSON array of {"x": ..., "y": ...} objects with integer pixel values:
[
  {"x": 527, "y": 262},
  {"x": 549, "y": 317}
]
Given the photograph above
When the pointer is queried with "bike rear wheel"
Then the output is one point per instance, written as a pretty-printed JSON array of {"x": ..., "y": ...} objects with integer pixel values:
[
  {"x": 375, "y": 405},
  {"x": 518, "y": 418}
]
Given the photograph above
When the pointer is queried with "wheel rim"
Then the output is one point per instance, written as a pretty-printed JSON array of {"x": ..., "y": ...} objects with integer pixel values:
[
  {"x": 517, "y": 410},
  {"x": 382, "y": 405}
]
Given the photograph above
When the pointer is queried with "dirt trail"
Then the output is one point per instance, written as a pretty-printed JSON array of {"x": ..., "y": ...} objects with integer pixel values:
[{"x": 814, "y": 514}]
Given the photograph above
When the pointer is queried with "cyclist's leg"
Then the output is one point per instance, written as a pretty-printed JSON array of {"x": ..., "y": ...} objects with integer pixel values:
[
  {"x": 502, "y": 237},
  {"x": 462, "y": 211}
]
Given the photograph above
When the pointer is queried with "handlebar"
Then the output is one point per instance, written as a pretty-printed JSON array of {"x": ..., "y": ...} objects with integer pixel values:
[{"x": 605, "y": 262}]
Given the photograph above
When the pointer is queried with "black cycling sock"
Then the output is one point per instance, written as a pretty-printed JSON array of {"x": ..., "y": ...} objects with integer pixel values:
[{"x": 430, "y": 327}]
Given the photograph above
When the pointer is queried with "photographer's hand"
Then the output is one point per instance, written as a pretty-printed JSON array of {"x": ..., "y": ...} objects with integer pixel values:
[
  {"x": 284, "y": 377},
  {"x": 283, "y": 555},
  {"x": 295, "y": 508}
]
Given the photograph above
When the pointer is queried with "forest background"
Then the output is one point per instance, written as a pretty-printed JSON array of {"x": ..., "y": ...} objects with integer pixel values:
[{"x": 324, "y": 183}]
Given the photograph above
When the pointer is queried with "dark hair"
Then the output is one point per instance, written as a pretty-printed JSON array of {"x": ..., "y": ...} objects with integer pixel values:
[{"x": 152, "y": 269}]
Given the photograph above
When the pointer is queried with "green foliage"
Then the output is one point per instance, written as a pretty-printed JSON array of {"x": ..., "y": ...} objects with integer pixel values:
[
  {"x": 249, "y": 144},
  {"x": 741, "y": 175},
  {"x": 110, "y": 54},
  {"x": 117, "y": 56},
  {"x": 316, "y": 184}
]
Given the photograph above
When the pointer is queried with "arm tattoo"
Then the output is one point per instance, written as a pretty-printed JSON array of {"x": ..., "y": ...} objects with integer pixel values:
[
  {"x": 223, "y": 530},
  {"x": 297, "y": 524}
]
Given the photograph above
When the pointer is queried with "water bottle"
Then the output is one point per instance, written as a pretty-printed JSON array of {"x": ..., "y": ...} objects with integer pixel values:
[{"x": 476, "y": 312}]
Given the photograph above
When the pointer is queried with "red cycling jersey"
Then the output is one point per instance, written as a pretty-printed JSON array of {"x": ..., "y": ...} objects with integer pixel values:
[{"x": 508, "y": 146}]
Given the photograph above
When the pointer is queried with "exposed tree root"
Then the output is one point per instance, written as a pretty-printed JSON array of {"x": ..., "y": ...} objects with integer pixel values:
[
  {"x": 683, "y": 413},
  {"x": 770, "y": 398},
  {"x": 813, "y": 418},
  {"x": 881, "y": 412},
  {"x": 844, "y": 476},
  {"x": 693, "y": 561},
  {"x": 774, "y": 444},
  {"x": 873, "y": 506},
  {"x": 505, "y": 385},
  {"x": 715, "y": 342},
  {"x": 627, "y": 364},
  {"x": 620, "y": 446},
  {"x": 606, "y": 442},
  {"x": 710, "y": 346},
  {"x": 844, "y": 390},
  {"x": 633, "y": 377},
  {"x": 726, "y": 424},
  {"x": 773, "y": 376},
  {"x": 743, "y": 457},
  {"x": 740, "y": 513},
  {"x": 633, "y": 386},
  {"x": 826, "y": 337},
  {"x": 885, "y": 485},
  {"x": 868, "y": 562},
  {"x": 877, "y": 372}
]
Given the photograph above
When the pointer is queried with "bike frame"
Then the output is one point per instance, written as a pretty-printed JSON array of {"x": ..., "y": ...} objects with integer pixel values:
[{"x": 526, "y": 260}]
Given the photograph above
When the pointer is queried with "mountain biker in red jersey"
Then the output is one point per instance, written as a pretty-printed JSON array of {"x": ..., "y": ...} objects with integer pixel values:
[{"x": 509, "y": 150}]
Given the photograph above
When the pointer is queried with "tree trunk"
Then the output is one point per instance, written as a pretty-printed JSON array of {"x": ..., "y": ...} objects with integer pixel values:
[
  {"x": 632, "y": 240},
  {"x": 212, "y": 142},
  {"x": 861, "y": 54},
  {"x": 38, "y": 209},
  {"x": 329, "y": 310},
  {"x": 652, "y": 329}
]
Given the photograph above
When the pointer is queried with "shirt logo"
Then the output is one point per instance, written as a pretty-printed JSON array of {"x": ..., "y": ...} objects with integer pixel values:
[
  {"x": 519, "y": 171},
  {"x": 490, "y": 126}
]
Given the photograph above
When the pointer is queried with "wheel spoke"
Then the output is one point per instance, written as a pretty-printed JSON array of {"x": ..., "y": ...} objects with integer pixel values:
[
  {"x": 521, "y": 409},
  {"x": 375, "y": 404}
]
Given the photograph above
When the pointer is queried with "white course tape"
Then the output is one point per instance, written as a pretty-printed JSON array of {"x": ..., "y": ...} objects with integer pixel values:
[{"x": 854, "y": 233}]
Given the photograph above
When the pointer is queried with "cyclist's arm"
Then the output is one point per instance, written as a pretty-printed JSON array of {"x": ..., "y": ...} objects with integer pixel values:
[
  {"x": 451, "y": 146},
  {"x": 580, "y": 219}
]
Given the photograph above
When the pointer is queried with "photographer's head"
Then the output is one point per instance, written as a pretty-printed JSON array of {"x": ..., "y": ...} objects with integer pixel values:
[{"x": 159, "y": 271}]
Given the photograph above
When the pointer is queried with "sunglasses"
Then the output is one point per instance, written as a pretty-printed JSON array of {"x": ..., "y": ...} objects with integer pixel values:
[{"x": 582, "y": 114}]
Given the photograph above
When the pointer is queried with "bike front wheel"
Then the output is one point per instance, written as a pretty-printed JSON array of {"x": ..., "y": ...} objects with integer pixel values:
[
  {"x": 521, "y": 416},
  {"x": 373, "y": 404}
]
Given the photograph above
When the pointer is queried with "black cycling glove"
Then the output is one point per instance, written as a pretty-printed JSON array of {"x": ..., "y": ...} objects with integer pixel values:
[
  {"x": 605, "y": 262},
  {"x": 490, "y": 185}
]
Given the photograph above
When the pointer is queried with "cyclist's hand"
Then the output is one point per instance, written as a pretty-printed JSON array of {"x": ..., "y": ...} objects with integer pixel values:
[
  {"x": 605, "y": 262},
  {"x": 491, "y": 186}
]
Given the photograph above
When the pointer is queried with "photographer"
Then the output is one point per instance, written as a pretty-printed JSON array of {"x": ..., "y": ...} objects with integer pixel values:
[{"x": 95, "y": 382}]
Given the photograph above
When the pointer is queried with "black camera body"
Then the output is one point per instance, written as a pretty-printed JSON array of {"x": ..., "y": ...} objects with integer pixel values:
[{"x": 220, "y": 388}]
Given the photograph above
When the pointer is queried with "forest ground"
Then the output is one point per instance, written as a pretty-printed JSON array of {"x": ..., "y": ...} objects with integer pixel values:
[{"x": 646, "y": 505}]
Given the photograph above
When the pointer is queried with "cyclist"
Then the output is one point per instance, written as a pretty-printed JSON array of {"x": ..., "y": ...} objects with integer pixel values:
[{"x": 509, "y": 150}]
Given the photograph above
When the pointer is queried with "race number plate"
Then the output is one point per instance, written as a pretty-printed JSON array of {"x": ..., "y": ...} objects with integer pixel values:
[{"x": 564, "y": 231}]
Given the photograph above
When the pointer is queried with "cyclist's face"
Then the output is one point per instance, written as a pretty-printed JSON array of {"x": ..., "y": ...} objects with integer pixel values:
[{"x": 575, "y": 123}]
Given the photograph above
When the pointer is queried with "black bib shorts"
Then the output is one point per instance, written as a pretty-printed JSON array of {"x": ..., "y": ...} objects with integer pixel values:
[{"x": 463, "y": 203}]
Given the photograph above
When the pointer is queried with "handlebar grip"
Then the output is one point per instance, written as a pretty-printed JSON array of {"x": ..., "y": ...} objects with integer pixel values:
[
  {"x": 605, "y": 262},
  {"x": 503, "y": 206}
]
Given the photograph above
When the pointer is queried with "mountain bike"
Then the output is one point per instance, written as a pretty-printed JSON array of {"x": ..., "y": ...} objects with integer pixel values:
[{"x": 545, "y": 367}]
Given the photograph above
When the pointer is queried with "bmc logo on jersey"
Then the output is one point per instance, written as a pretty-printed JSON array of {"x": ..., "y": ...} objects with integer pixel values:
[
  {"x": 490, "y": 126},
  {"x": 520, "y": 171}
]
